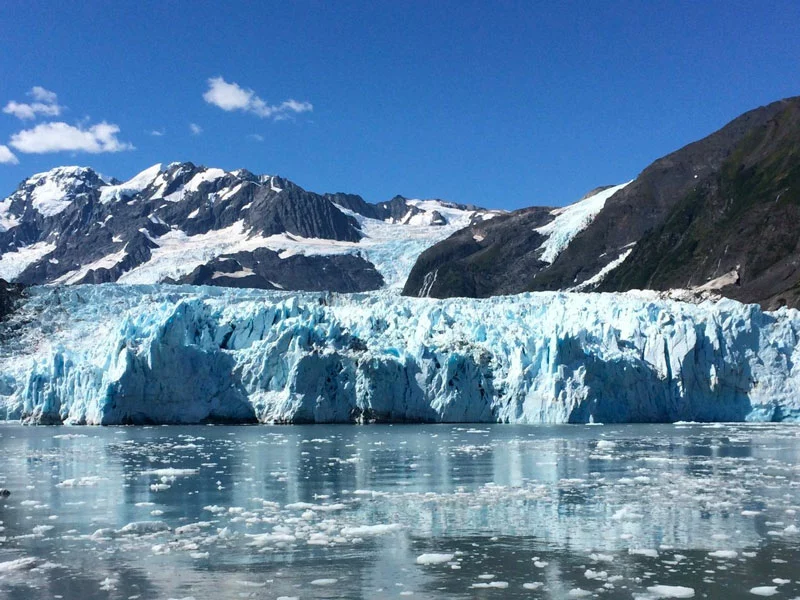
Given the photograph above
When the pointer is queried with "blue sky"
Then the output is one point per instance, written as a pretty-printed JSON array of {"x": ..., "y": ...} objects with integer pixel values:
[{"x": 502, "y": 104}]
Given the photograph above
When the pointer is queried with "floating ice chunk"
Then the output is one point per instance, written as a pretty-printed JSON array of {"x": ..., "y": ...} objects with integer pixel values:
[
  {"x": 20, "y": 564},
  {"x": 251, "y": 584},
  {"x": 540, "y": 564},
  {"x": 299, "y": 506},
  {"x": 671, "y": 591},
  {"x": 533, "y": 585},
  {"x": 764, "y": 590},
  {"x": 649, "y": 552},
  {"x": 143, "y": 527},
  {"x": 434, "y": 558},
  {"x": 600, "y": 575},
  {"x": 724, "y": 554},
  {"x": 42, "y": 529},
  {"x": 170, "y": 472},
  {"x": 325, "y": 581},
  {"x": 103, "y": 534},
  {"x": 192, "y": 528},
  {"x": 492, "y": 584},
  {"x": 109, "y": 584},
  {"x": 599, "y": 557},
  {"x": 91, "y": 480},
  {"x": 578, "y": 593},
  {"x": 265, "y": 539},
  {"x": 371, "y": 530}
]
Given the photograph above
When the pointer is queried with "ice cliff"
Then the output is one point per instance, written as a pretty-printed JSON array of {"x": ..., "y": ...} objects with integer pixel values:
[{"x": 112, "y": 354}]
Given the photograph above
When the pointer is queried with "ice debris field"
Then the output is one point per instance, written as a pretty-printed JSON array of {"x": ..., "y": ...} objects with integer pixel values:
[
  {"x": 115, "y": 354},
  {"x": 639, "y": 512}
]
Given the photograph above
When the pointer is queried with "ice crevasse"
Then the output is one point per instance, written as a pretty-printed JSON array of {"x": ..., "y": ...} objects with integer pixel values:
[{"x": 114, "y": 354}]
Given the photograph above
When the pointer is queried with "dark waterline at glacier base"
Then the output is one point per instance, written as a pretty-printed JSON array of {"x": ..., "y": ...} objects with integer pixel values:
[{"x": 543, "y": 512}]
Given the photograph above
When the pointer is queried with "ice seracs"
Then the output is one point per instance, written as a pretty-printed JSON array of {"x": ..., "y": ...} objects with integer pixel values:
[{"x": 120, "y": 354}]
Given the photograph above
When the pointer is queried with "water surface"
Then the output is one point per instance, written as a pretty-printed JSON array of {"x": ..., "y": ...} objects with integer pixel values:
[{"x": 400, "y": 511}]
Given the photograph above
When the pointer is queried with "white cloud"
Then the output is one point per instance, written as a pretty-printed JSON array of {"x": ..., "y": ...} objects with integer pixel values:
[
  {"x": 7, "y": 156},
  {"x": 61, "y": 137},
  {"x": 156, "y": 132},
  {"x": 195, "y": 129},
  {"x": 43, "y": 95},
  {"x": 256, "y": 137},
  {"x": 231, "y": 96},
  {"x": 45, "y": 104}
]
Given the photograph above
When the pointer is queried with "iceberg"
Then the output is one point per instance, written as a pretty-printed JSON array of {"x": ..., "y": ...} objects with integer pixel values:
[{"x": 121, "y": 354}]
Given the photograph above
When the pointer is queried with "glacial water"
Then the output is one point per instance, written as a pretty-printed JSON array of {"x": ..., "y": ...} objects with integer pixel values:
[{"x": 440, "y": 511}]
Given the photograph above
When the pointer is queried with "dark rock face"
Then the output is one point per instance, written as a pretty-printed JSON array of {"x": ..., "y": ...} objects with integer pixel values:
[
  {"x": 264, "y": 269},
  {"x": 10, "y": 295},
  {"x": 488, "y": 258},
  {"x": 727, "y": 204}
]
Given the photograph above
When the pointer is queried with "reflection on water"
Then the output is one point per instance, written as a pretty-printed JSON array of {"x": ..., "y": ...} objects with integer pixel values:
[{"x": 394, "y": 511}]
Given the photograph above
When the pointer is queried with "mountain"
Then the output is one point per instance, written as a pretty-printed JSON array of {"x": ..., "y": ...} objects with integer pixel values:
[
  {"x": 719, "y": 214},
  {"x": 183, "y": 223}
]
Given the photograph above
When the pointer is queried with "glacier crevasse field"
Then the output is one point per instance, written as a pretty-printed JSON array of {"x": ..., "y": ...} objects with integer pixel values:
[{"x": 115, "y": 354}]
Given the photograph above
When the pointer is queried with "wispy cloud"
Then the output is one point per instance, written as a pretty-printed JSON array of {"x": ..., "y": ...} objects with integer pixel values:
[
  {"x": 156, "y": 132},
  {"x": 195, "y": 129},
  {"x": 256, "y": 137},
  {"x": 7, "y": 157},
  {"x": 62, "y": 137},
  {"x": 231, "y": 96},
  {"x": 45, "y": 103}
]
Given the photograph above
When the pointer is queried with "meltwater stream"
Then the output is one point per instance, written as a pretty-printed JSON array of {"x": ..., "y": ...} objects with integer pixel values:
[{"x": 209, "y": 512}]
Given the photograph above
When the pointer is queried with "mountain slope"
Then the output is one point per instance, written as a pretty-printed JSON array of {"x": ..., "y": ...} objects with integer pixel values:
[
  {"x": 186, "y": 223},
  {"x": 505, "y": 254},
  {"x": 738, "y": 230},
  {"x": 720, "y": 213}
]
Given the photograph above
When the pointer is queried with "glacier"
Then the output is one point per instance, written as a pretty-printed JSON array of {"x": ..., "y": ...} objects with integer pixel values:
[{"x": 135, "y": 354}]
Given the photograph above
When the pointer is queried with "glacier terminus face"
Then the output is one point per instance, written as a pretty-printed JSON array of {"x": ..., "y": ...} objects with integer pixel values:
[{"x": 116, "y": 354}]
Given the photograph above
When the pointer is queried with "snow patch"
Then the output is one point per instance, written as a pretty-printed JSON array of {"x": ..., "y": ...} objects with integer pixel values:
[
  {"x": 133, "y": 186},
  {"x": 570, "y": 220},
  {"x": 13, "y": 263}
]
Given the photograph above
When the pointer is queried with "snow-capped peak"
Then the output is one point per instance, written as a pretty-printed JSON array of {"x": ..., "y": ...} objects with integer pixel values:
[
  {"x": 60, "y": 173},
  {"x": 133, "y": 186},
  {"x": 51, "y": 192}
]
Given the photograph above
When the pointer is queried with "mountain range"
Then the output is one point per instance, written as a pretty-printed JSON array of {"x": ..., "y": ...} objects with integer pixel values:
[
  {"x": 720, "y": 215},
  {"x": 183, "y": 223}
]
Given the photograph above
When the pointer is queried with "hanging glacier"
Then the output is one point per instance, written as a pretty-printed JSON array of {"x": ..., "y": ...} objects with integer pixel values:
[{"x": 116, "y": 354}]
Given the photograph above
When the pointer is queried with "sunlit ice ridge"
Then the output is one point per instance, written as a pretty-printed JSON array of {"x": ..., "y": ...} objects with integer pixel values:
[{"x": 120, "y": 354}]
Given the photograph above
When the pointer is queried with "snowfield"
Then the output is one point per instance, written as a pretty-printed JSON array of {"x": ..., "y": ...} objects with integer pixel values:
[
  {"x": 169, "y": 354},
  {"x": 570, "y": 220}
]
